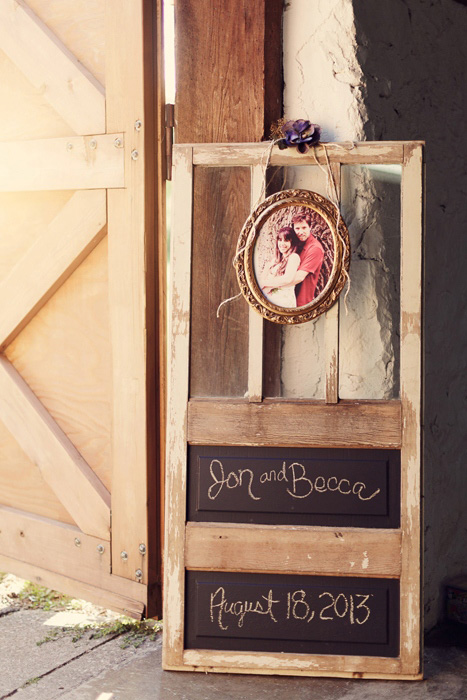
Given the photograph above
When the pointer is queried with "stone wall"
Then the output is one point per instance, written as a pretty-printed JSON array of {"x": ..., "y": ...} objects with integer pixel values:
[{"x": 366, "y": 69}]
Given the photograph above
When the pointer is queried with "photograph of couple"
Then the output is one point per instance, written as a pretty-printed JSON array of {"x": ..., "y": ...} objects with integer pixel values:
[{"x": 293, "y": 256}]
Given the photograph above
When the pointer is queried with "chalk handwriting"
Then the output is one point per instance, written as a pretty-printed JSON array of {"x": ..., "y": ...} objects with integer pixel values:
[
  {"x": 232, "y": 481},
  {"x": 221, "y": 606},
  {"x": 295, "y": 476},
  {"x": 352, "y": 608}
]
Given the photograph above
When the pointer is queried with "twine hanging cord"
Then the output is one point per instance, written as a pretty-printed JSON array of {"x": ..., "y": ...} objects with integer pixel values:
[
  {"x": 264, "y": 162},
  {"x": 332, "y": 196}
]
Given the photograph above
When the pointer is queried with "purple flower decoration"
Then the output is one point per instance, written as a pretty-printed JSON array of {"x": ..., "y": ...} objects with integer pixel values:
[{"x": 300, "y": 133}]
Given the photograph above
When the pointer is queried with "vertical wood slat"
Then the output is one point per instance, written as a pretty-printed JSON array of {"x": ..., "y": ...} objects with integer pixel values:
[
  {"x": 156, "y": 296},
  {"x": 174, "y": 588},
  {"x": 218, "y": 342},
  {"x": 411, "y": 294},
  {"x": 127, "y": 230},
  {"x": 229, "y": 69},
  {"x": 331, "y": 349},
  {"x": 331, "y": 326},
  {"x": 255, "y": 320},
  {"x": 255, "y": 356}
]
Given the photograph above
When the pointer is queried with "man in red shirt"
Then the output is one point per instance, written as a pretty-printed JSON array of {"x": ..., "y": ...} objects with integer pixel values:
[{"x": 311, "y": 259}]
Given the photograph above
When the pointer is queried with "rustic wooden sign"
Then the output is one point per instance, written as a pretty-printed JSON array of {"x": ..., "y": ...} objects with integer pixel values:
[
  {"x": 292, "y": 525},
  {"x": 294, "y": 486},
  {"x": 303, "y": 614}
]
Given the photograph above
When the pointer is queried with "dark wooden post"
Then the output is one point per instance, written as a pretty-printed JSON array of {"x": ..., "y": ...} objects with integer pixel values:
[
  {"x": 229, "y": 69},
  {"x": 229, "y": 89}
]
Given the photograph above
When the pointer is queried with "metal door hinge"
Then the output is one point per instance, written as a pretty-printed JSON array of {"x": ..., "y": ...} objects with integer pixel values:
[{"x": 169, "y": 138}]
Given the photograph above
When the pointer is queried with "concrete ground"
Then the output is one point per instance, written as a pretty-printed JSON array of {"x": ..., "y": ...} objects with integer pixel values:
[{"x": 100, "y": 669}]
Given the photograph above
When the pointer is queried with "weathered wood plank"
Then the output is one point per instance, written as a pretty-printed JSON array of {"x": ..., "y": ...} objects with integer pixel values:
[
  {"x": 293, "y": 664},
  {"x": 174, "y": 578},
  {"x": 64, "y": 469},
  {"x": 411, "y": 388},
  {"x": 293, "y": 550},
  {"x": 74, "y": 163},
  {"x": 51, "y": 67},
  {"x": 219, "y": 346},
  {"x": 299, "y": 424},
  {"x": 75, "y": 231},
  {"x": 345, "y": 153}
]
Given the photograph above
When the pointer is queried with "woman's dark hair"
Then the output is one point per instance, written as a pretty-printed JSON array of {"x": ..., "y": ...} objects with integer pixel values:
[{"x": 287, "y": 234}]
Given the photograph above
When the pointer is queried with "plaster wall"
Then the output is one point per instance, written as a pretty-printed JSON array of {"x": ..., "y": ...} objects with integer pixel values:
[{"x": 366, "y": 69}]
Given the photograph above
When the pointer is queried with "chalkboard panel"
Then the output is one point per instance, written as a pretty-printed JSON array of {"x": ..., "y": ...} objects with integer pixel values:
[
  {"x": 281, "y": 486},
  {"x": 282, "y": 613}
]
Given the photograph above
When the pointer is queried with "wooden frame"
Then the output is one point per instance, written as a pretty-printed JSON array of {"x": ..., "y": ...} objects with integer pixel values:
[
  {"x": 258, "y": 230},
  {"x": 252, "y": 421}
]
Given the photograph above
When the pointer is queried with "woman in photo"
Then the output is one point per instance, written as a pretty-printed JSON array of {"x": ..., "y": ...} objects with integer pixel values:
[{"x": 277, "y": 283}]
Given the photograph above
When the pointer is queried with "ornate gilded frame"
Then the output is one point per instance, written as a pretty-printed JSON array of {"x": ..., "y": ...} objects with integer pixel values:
[{"x": 246, "y": 245}]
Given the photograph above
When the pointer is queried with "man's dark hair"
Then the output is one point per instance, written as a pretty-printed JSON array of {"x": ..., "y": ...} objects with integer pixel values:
[{"x": 302, "y": 217}]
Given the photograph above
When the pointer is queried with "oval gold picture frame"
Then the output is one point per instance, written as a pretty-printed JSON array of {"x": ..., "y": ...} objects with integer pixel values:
[{"x": 274, "y": 252}]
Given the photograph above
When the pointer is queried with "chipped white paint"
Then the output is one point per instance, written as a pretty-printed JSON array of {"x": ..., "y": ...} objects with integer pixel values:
[
  {"x": 255, "y": 321},
  {"x": 365, "y": 561},
  {"x": 302, "y": 664},
  {"x": 411, "y": 272},
  {"x": 176, "y": 424},
  {"x": 346, "y": 152}
]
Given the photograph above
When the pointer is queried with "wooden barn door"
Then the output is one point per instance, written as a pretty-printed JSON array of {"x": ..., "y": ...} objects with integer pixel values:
[{"x": 79, "y": 342}]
